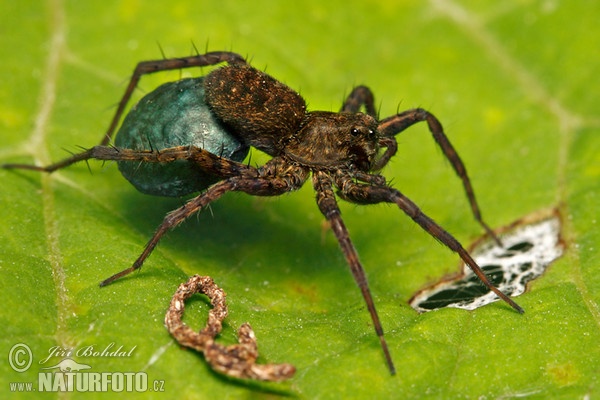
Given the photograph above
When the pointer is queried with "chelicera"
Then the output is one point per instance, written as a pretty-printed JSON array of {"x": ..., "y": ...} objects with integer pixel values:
[{"x": 340, "y": 152}]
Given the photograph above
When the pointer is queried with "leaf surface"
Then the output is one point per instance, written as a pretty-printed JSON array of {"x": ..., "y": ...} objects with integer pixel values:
[{"x": 515, "y": 86}]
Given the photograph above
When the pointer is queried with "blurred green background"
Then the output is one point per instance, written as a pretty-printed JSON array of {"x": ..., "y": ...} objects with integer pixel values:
[{"x": 515, "y": 85}]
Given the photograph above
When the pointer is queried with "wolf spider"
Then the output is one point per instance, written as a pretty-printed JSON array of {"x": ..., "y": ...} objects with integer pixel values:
[{"x": 341, "y": 152}]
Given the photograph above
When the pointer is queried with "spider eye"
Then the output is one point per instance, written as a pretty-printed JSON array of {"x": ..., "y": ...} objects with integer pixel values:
[{"x": 354, "y": 132}]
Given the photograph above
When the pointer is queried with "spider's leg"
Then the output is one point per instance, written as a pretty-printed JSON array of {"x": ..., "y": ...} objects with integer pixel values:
[
  {"x": 370, "y": 194},
  {"x": 142, "y": 68},
  {"x": 173, "y": 219},
  {"x": 75, "y": 158},
  {"x": 236, "y": 174},
  {"x": 360, "y": 96},
  {"x": 205, "y": 160},
  {"x": 395, "y": 124},
  {"x": 328, "y": 206},
  {"x": 260, "y": 182},
  {"x": 151, "y": 66}
]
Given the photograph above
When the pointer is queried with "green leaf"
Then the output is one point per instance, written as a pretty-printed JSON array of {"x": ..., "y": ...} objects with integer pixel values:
[{"x": 515, "y": 85}]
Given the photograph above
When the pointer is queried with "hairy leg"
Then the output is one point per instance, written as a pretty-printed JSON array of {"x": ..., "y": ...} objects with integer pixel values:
[
  {"x": 369, "y": 194},
  {"x": 264, "y": 183},
  {"x": 395, "y": 124},
  {"x": 328, "y": 206},
  {"x": 149, "y": 67},
  {"x": 359, "y": 97},
  {"x": 173, "y": 219},
  {"x": 208, "y": 162}
]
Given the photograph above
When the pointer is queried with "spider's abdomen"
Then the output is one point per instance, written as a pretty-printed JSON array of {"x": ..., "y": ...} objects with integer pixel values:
[
  {"x": 257, "y": 108},
  {"x": 175, "y": 114}
]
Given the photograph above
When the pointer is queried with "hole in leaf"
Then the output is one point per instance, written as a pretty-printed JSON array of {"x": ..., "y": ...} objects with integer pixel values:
[
  {"x": 522, "y": 247},
  {"x": 529, "y": 246}
]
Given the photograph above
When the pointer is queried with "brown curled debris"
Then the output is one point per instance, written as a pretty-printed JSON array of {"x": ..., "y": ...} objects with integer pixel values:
[{"x": 238, "y": 360}]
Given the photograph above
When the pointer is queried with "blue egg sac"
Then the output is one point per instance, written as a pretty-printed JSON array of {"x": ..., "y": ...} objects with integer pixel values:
[{"x": 175, "y": 114}]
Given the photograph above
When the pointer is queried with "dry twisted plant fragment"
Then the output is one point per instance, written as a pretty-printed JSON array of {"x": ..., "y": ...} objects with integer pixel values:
[{"x": 238, "y": 360}]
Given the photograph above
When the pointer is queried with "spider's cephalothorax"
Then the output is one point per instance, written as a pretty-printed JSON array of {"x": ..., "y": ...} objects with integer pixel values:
[
  {"x": 341, "y": 151},
  {"x": 270, "y": 116}
]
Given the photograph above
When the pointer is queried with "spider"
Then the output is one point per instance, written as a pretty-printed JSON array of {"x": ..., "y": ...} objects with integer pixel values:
[{"x": 341, "y": 153}]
